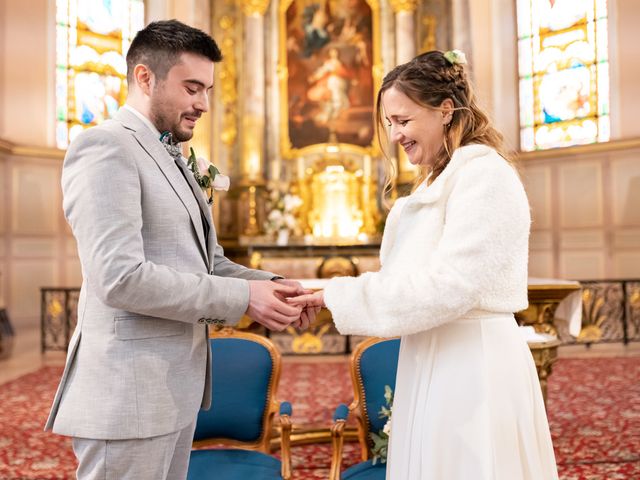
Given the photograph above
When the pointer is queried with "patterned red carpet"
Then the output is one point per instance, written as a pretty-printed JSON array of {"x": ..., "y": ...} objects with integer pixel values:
[{"x": 594, "y": 407}]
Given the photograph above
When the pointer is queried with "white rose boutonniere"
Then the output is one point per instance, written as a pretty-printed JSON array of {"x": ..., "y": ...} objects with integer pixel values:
[{"x": 207, "y": 175}]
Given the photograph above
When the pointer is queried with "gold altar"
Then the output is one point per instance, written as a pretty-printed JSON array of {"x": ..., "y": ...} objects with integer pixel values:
[
  {"x": 544, "y": 356},
  {"x": 544, "y": 298}
]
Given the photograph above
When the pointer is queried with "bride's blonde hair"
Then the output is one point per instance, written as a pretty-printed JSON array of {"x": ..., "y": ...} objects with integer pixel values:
[{"x": 428, "y": 80}]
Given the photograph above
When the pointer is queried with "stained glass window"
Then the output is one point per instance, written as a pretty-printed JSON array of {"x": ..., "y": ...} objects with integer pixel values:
[
  {"x": 564, "y": 73},
  {"x": 92, "y": 38}
]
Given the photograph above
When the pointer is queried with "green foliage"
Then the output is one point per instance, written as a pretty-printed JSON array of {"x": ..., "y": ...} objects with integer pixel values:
[{"x": 381, "y": 439}]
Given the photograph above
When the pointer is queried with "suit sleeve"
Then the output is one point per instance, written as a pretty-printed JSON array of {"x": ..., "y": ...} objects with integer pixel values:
[
  {"x": 102, "y": 203},
  {"x": 484, "y": 235},
  {"x": 226, "y": 268}
]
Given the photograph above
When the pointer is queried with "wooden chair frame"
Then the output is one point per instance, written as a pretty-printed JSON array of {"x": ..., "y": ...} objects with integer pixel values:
[
  {"x": 271, "y": 408},
  {"x": 358, "y": 409}
]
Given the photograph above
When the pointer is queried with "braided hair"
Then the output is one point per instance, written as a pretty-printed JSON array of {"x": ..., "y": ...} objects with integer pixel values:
[{"x": 428, "y": 80}]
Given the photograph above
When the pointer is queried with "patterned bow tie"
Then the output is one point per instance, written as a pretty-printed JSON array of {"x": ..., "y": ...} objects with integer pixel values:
[{"x": 174, "y": 149}]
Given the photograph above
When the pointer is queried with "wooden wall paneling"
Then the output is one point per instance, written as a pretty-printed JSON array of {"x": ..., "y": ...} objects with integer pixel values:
[
  {"x": 36, "y": 199},
  {"x": 580, "y": 194}
]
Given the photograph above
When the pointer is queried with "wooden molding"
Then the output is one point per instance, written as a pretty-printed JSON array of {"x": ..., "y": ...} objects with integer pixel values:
[
  {"x": 5, "y": 146},
  {"x": 11, "y": 148},
  {"x": 578, "y": 150}
]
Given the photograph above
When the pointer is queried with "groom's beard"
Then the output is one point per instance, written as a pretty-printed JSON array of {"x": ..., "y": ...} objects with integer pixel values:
[
  {"x": 167, "y": 118},
  {"x": 165, "y": 122}
]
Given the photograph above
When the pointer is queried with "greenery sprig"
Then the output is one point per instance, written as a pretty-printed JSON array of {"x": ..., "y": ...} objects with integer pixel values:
[{"x": 381, "y": 439}]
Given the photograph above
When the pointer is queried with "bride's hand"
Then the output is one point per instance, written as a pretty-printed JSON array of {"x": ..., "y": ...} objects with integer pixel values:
[{"x": 315, "y": 299}]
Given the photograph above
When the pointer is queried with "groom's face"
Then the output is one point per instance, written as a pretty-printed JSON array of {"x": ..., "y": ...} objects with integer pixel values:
[{"x": 178, "y": 101}]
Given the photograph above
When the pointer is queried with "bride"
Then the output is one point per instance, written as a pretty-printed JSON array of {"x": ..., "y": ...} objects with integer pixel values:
[{"x": 467, "y": 402}]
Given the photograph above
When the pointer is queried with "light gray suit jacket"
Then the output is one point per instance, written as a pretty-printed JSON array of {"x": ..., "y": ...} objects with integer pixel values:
[{"x": 138, "y": 363}]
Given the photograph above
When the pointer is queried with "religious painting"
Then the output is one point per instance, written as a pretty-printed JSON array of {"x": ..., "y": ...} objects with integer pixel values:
[{"x": 329, "y": 52}]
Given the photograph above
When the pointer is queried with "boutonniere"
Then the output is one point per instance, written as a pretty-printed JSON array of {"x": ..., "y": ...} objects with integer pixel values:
[{"x": 207, "y": 175}]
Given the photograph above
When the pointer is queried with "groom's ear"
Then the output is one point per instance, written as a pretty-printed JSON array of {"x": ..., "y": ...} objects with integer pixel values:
[{"x": 143, "y": 78}]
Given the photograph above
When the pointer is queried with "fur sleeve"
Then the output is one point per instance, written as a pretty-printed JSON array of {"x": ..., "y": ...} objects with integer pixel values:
[{"x": 481, "y": 255}]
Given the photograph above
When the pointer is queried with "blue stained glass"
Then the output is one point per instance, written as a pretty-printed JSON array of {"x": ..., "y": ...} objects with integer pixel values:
[
  {"x": 564, "y": 74},
  {"x": 92, "y": 38}
]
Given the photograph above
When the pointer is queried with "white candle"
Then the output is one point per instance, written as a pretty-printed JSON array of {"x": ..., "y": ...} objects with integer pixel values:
[{"x": 366, "y": 166}]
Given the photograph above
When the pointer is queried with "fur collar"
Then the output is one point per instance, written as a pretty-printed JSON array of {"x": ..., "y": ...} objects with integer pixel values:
[{"x": 463, "y": 155}]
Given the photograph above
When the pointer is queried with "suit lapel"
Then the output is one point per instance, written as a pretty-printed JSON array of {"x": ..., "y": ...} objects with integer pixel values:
[
  {"x": 167, "y": 165},
  {"x": 204, "y": 208},
  {"x": 197, "y": 191},
  {"x": 206, "y": 211}
]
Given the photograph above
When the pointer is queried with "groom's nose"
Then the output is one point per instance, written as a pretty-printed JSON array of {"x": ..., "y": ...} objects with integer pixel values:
[{"x": 202, "y": 102}]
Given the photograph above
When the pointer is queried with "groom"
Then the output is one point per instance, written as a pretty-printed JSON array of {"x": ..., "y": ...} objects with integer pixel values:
[{"x": 138, "y": 365}]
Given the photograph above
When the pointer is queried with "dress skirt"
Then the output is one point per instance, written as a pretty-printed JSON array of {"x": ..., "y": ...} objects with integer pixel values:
[{"x": 468, "y": 405}]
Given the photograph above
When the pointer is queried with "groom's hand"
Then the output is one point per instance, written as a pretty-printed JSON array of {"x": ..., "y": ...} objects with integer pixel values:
[
  {"x": 267, "y": 304},
  {"x": 300, "y": 290},
  {"x": 307, "y": 315}
]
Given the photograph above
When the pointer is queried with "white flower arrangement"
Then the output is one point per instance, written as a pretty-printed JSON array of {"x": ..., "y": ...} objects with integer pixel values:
[{"x": 281, "y": 207}]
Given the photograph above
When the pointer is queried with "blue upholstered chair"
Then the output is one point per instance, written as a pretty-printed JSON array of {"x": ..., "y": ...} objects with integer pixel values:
[
  {"x": 246, "y": 371},
  {"x": 373, "y": 365}
]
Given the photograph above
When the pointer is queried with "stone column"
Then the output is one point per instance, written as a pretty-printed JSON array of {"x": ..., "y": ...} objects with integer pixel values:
[
  {"x": 197, "y": 14},
  {"x": 405, "y": 11},
  {"x": 461, "y": 28},
  {"x": 253, "y": 109}
]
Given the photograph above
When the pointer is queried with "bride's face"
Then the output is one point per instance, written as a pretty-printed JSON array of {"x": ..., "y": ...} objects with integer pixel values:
[{"x": 417, "y": 129}]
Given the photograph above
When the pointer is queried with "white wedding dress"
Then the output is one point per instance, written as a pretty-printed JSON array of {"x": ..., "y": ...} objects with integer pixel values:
[{"x": 468, "y": 405}]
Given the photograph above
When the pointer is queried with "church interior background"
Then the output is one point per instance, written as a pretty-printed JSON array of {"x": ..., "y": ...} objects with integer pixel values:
[{"x": 292, "y": 123}]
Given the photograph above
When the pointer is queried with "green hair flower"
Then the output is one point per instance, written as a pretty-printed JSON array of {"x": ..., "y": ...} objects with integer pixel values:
[{"x": 456, "y": 56}]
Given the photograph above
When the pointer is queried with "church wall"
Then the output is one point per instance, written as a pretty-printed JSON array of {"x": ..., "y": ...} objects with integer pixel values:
[
  {"x": 3, "y": 42},
  {"x": 3, "y": 231},
  {"x": 494, "y": 68},
  {"x": 625, "y": 88},
  {"x": 3, "y": 175},
  {"x": 28, "y": 71},
  {"x": 586, "y": 220},
  {"x": 34, "y": 251},
  {"x": 584, "y": 224},
  {"x": 31, "y": 222}
]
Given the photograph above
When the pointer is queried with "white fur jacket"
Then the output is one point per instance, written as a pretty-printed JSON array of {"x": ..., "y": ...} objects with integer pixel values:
[{"x": 455, "y": 246}]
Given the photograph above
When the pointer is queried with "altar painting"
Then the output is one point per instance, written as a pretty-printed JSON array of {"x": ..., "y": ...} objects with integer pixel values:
[{"x": 329, "y": 54}]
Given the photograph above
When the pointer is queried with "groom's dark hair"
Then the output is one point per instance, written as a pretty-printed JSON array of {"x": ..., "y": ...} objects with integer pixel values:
[{"x": 160, "y": 44}]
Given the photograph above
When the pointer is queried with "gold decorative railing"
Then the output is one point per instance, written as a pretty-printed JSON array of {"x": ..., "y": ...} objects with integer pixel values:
[
  {"x": 58, "y": 317},
  {"x": 610, "y": 313}
]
